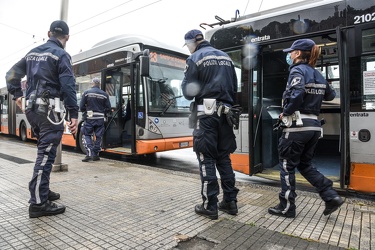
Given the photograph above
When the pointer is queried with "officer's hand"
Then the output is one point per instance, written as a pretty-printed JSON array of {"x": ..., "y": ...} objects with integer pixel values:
[
  {"x": 73, "y": 126},
  {"x": 19, "y": 102}
]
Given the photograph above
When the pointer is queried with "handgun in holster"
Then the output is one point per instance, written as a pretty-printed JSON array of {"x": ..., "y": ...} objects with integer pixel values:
[{"x": 232, "y": 114}]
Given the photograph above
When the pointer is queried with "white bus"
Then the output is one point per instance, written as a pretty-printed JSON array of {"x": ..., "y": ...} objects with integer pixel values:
[
  {"x": 143, "y": 79},
  {"x": 345, "y": 31}
]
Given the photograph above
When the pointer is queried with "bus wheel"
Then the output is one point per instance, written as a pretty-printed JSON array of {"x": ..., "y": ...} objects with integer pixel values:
[
  {"x": 23, "y": 132},
  {"x": 80, "y": 142}
]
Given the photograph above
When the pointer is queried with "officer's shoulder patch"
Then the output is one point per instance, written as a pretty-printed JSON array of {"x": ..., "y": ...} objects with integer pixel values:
[
  {"x": 296, "y": 80},
  {"x": 186, "y": 68}
]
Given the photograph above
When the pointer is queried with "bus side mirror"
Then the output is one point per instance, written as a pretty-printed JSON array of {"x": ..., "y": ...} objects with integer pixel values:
[
  {"x": 1, "y": 99},
  {"x": 144, "y": 62}
]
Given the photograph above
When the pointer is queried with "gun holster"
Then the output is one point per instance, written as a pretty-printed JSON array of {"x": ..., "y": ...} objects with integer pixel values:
[{"x": 194, "y": 115}]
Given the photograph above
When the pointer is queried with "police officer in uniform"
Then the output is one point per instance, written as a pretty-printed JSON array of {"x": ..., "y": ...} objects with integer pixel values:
[
  {"x": 210, "y": 78},
  {"x": 302, "y": 99},
  {"x": 95, "y": 104},
  {"x": 50, "y": 80}
]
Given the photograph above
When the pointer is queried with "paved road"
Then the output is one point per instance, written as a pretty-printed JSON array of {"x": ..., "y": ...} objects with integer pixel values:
[{"x": 121, "y": 205}]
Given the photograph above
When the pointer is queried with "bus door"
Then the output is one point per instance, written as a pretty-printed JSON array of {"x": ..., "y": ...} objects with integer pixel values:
[
  {"x": 255, "y": 117},
  {"x": 269, "y": 80},
  {"x": 361, "y": 49},
  {"x": 272, "y": 76},
  {"x": 119, "y": 134}
]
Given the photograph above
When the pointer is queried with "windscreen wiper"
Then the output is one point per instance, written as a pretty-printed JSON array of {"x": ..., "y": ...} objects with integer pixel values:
[{"x": 169, "y": 102}]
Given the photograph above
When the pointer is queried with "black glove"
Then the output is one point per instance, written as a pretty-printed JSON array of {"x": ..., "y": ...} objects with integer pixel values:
[
  {"x": 233, "y": 116},
  {"x": 277, "y": 125}
]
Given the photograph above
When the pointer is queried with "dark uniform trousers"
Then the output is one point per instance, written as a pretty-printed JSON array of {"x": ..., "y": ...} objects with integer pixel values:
[
  {"x": 91, "y": 127},
  {"x": 49, "y": 137},
  {"x": 213, "y": 141},
  {"x": 296, "y": 150}
]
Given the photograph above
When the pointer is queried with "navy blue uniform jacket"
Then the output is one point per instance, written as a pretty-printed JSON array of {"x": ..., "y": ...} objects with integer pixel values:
[
  {"x": 213, "y": 71},
  {"x": 305, "y": 91},
  {"x": 51, "y": 65},
  {"x": 95, "y": 99}
]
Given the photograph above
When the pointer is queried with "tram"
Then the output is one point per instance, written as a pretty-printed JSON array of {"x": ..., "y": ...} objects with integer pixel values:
[{"x": 345, "y": 32}]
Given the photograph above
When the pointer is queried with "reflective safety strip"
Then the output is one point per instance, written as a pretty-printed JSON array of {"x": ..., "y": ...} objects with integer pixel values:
[
  {"x": 299, "y": 129},
  {"x": 45, "y": 158},
  {"x": 88, "y": 151},
  {"x": 288, "y": 184},
  {"x": 308, "y": 116},
  {"x": 37, "y": 186},
  {"x": 205, "y": 183},
  {"x": 41, "y": 101},
  {"x": 96, "y": 115},
  {"x": 205, "y": 204}
]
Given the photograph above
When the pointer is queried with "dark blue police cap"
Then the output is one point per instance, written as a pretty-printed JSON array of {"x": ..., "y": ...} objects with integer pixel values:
[
  {"x": 301, "y": 44},
  {"x": 192, "y": 34},
  {"x": 59, "y": 26}
]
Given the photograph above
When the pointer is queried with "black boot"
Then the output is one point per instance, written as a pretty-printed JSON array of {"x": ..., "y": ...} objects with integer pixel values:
[
  {"x": 333, "y": 205},
  {"x": 211, "y": 214},
  {"x": 278, "y": 210},
  {"x": 228, "y": 207},
  {"x": 87, "y": 158},
  {"x": 52, "y": 196},
  {"x": 46, "y": 209}
]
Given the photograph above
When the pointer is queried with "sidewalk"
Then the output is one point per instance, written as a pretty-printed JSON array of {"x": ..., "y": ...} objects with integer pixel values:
[{"x": 120, "y": 205}]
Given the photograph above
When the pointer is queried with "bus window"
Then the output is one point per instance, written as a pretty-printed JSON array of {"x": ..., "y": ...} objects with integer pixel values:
[
  {"x": 331, "y": 73},
  {"x": 362, "y": 77},
  {"x": 368, "y": 40},
  {"x": 4, "y": 106},
  {"x": 83, "y": 83},
  {"x": 236, "y": 59},
  {"x": 164, "y": 87},
  {"x": 368, "y": 83}
]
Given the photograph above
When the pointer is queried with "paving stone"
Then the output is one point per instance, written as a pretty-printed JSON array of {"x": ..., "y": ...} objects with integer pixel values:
[{"x": 120, "y": 205}]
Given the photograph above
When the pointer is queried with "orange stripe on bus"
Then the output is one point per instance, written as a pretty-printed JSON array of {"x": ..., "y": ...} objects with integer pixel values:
[
  {"x": 153, "y": 146},
  {"x": 4, "y": 129},
  {"x": 362, "y": 177},
  {"x": 68, "y": 140},
  {"x": 240, "y": 163}
]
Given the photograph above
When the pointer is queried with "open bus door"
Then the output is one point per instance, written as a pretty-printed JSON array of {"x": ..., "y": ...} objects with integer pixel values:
[
  {"x": 119, "y": 131},
  {"x": 269, "y": 78},
  {"x": 361, "y": 50},
  {"x": 255, "y": 118}
]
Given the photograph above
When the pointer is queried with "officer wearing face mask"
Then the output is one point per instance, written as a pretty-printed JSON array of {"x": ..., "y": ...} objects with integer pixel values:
[
  {"x": 302, "y": 99},
  {"x": 210, "y": 79}
]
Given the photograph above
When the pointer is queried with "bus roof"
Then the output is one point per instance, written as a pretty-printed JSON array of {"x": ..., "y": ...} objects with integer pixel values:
[
  {"x": 307, "y": 4},
  {"x": 119, "y": 42}
]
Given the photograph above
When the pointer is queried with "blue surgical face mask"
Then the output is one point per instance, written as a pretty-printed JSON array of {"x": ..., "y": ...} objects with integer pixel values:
[{"x": 289, "y": 59}]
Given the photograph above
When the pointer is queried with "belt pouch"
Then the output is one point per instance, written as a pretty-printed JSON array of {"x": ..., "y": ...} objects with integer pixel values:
[{"x": 209, "y": 106}]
